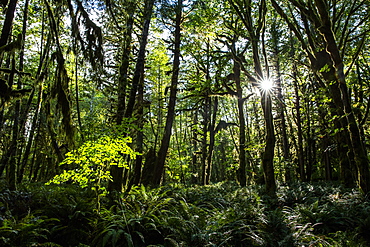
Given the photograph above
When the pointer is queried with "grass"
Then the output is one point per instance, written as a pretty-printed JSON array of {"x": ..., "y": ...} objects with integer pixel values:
[{"x": 223, "y": 214}]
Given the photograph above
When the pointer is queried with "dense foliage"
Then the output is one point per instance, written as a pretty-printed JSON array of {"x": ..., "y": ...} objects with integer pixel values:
[
  {"x": 223, "y": 214},
  {"x": 186, "y": 80},
  {"x": 184, "y": 122}
]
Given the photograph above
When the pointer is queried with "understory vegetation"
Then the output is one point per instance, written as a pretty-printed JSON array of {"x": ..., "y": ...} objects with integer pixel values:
[
  {"x": 184, "y": 123},
  {"x": 222, "y": 214}
]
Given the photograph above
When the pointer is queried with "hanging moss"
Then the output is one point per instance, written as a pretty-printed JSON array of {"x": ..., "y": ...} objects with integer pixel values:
[
  {"x": 93, "y": 37},
  {"x": 62, "y": 94},
  {"x": 60, "y": 90}
]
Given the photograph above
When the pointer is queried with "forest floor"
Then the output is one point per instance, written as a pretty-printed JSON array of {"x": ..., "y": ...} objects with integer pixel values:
[{"x": 222, "y": 214}]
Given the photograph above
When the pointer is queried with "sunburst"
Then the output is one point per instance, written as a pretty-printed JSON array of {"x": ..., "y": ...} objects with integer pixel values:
[{"x": 266, "y": 84}]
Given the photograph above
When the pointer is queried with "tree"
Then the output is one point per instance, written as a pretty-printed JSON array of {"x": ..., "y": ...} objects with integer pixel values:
[
  {"x": 162, "y": 152},
  {"x": 117, "y": 172},
  {"x": 326, "y": 50},
  {"x": 255, "y": 29}
]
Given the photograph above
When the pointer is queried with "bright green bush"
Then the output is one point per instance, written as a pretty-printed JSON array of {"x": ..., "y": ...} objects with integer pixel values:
[{"x": 91, "y": 162}]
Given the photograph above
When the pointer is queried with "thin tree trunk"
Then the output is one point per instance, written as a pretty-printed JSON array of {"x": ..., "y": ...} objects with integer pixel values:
[
  {"x": 268, "y": 155},
  {"x": 300, "y": 153},
  {"x": 162, "y": 153},
  {"x": 14, "y": 161},
  {"x": 136, "y": 175},
  {"x": 12, "y": 165},
  {"x": 310, "y": 142},
  {"x": 211, "y": 141},
  {"x": 139, "y": 68},
  {"x": 117, "y": 172},
  {"x": 205, "y": 123},
  {"x": 281, "y": 104},
  {"x": 19, "y": 86},
  {"x": 194, "y": 143},
  {"x": 241, "y": 173},
  {"x": 31, "y": 136},
  {"x": 5, "y": 34},
  {"x": 125, "y": 63},
  {"x": 78, "y": 97}
]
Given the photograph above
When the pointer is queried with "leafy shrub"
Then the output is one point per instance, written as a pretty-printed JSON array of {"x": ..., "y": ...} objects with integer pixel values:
[{"x": 89, "y": 164}]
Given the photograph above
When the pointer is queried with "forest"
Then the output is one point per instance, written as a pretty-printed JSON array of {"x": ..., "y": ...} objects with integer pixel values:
[{"x": 184, "y": 123}]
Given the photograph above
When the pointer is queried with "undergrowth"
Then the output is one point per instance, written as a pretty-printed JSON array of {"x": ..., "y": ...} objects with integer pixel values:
[{"x": 223, "y": 214}]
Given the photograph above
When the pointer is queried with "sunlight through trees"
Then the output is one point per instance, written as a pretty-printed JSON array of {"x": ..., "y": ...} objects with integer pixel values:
[{"x": 182, "y": 79}]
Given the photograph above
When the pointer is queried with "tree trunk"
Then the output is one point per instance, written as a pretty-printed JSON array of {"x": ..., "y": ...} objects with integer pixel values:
[
  {"x": 194, "y": 144},
  {"x": 162, "y": 153},
  {"x": 139, "y": 68},
  {"x": 125, "y": 63},
  {"x": 27, "y": 151},
  {"x": 268, "y": 155},
  {"x": 205, "y": 123},
  {"x": 358, "y": 146},
  {"x": 255, "y": 26},
  {"x": 12, "y": 162},
  {"x": 281, "y": 104},
  {"x": 115, "y": 171},
  {"x": 300, "y": 153},
  {"x": 5, "y": 34},
  {"x": 241, "y": 172},
  {"x": 136, "y": 174},
  {"x": 8, "y": 22},
  {"x": 211, "y": 140},
  {"x": 19, "y": 86}
]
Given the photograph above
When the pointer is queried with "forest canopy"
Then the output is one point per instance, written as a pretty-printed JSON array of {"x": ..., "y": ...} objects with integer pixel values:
[
  {"x": 184, "y": 123},
  {"x": 186, "y": 82}
]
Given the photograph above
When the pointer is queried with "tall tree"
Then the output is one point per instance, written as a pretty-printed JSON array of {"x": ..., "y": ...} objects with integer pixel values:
[
  {"x": 162, "y": 153},
  {"x": 125, "y": 61},
  {"x": 255, "y": 26},
  {"x": 117, "y": 172}
]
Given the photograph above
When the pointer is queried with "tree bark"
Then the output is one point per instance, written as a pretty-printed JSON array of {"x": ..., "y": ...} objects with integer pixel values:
[
  {"x": 194, "y": 144},
  {"x": 136, "y": 174},
  {"x": 8, "y": 22},
  {"x": 139, "y": 68},
  {"x": 275, "y": 35},
  {"x": 19, "y": 86},
  {"x": 12, "y": 161}
]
